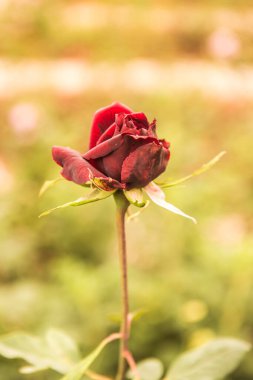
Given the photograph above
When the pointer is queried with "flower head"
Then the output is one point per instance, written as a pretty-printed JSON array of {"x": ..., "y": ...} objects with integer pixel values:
[
  {"x": 124, "y": 157},
  {"x": 124, "y": 153}
]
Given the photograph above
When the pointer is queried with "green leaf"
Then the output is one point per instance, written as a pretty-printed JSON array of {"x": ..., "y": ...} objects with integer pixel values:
[
  {"x": 47, "y": 184},
  {"x": 94, "y": 196},
  {"x": 79, "y": 370},
  {"x": 135, "y": 197},
  {"x": 27, "y": 370},
  {"x": 212, "y": 361},
  {"x": 148, "y": 369},
  {"x": 197, "y": 172},
  {"x": 157, "y": 196},
  {"x": 56, "y": 351},
  {"x": 138, "y": 314},
  {"x": 62, "y": 346},
  {"x": 24, "y": 346}
]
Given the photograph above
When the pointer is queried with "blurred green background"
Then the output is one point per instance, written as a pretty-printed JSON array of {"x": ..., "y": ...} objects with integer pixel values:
[{"x": 190, "y": 65}]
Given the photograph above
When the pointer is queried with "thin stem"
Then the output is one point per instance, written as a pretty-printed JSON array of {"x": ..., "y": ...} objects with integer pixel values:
[
  {"x": 130, "y": 360},
  {"x": 122, "y": 205}
]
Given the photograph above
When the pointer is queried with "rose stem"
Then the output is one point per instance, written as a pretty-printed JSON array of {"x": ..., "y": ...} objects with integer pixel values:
[{"x": 122, "y": 206}]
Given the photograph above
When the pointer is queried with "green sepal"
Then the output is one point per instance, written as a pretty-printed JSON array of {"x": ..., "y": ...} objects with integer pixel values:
[
  {"x": 48, "y": 184},
  {"x": 135, "y": 215},
  {"x": 197, "y": 172},
  {"x": 135, "y": 197},
  {"x": 94, "y": 196},
  {"x": 157, "y": 196}
]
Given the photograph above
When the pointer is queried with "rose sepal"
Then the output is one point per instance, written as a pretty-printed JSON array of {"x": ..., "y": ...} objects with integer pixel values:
[
  {"x": 133, "y": 216},
  {"x": 48, "y": 184},
  {"x": 106, "y": 184},
  {"x": 94, "y": 196},
  {"x": 52, "y": 182},
  {"x": 156, "y": 195},
  {"x": 208, "y": 165},
  {"x": 136, "y": 197}
]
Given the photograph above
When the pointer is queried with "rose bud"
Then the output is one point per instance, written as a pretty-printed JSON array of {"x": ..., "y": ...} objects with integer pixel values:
[{"x": 124, "y": 153}]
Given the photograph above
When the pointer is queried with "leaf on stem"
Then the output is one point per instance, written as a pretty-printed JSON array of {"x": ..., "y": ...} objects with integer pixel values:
[
  {"x": 197, "y": 172},
  {"x": 157, "y": 196},
  {"x": 27, "y": 370},
  {"x": 62, "y": 345},
  {"x": 94, "y": 196},
  {"x": 137, "y": 314},
  {"x": 56, "y": 351},
  {"x": 212, "y": 361},
  {"x": 79, "y": 370},
  {"x": 148, "y": 369}
]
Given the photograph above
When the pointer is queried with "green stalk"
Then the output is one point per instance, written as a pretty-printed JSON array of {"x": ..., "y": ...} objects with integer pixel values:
[{"x": 122, "y": 206}]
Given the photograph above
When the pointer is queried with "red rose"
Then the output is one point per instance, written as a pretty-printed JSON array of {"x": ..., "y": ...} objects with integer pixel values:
[{"x": 124, "y": 153}]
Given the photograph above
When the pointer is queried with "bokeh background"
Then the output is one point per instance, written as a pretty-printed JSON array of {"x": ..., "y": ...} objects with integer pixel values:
[{"x": 187, "y": 63}]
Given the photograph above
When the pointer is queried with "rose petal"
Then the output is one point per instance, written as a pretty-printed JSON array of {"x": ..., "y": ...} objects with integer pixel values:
[
  {"x": 104, "y": 148},
  {"x": 144, "y": 164},
  {"x": 103, "y": 119},
  {"x": 109, "y": 132},
  {"x": 75, "y": 167},
  {"x": 152, "y": 129},
  {"x": 112, "y": 163},
  {"x": 140, "y": 120}
]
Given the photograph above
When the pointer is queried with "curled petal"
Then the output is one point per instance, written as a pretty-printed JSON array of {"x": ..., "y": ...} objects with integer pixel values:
[
  {"x": 138, "y": 171},
  {"x": 135, "y": 123},
  {"x": 109, "y": 132},
  {"x": 75, "y": 167},
  {"x": 139, "y": 119},
  {"x": 112, "y": 163},
  {"x": 103, "y": 119},
  {"x": 104, "y": 148}
]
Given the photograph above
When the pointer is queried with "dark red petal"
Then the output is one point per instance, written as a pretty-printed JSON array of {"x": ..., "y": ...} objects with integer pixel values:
[
  {"x": 144, "y": 164},
  {"x": 165, "y": 143},
  {"x": 75, "y": 168},
  {"x": 104, "y": 148},
  {"x": 140, "y": 119},
  {"x": 108, "y": 134},
  {"x": 112, "y": 163},
  {"x": 103, "y": 119},
  {"x": 152, "y": 129},
  {"x": 143, "y": 139}
]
